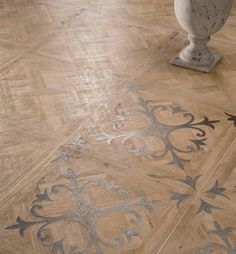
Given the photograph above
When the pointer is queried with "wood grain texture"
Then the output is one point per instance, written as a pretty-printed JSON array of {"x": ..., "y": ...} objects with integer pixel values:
[{"x": 105, "y": 146}]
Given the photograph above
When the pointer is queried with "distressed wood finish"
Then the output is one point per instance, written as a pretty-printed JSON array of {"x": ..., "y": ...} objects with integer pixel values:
[{"x": 105, "y": 146}]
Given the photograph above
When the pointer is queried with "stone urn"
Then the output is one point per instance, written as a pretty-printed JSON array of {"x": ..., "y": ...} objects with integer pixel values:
[{"x": 200, "y": 19}]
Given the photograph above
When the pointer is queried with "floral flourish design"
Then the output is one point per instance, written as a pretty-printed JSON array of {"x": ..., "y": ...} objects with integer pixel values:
[
  {"x": 226, "y": 246},
  {"x": 135, "y": 88},
  {"x": 204, "y": 205},
  {"x": 232, "y": 118},
  {"x": 65, "y": 153},
  {"x": 84, "y": 214},
  {"x": 159, "y": 131}
]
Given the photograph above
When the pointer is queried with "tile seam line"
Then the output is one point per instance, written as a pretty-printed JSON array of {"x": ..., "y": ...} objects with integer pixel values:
[
  {"x": 50, "y": 36},
  {"x": 195, "y": 198}
]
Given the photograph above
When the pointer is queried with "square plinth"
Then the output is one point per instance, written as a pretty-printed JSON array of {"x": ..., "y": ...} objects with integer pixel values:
[{"x": 203, "y": 68}]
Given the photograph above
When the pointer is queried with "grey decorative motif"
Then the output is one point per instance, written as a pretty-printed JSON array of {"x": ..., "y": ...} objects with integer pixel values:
[
  {"x": 78, "y": 141},
  {"x": 158, "y": 131},
  {"x": 130, "y": 232},
  {"x": 135, "y": 88},
  {"x": 65, "y": 153},
  {"x": 232, "y": 118},
  {"x": 84, "y": 214},
  {"x": 223, "y": 245},
  {"x": 179, "y": 197},
  {"x": 42, "y": 196},
  {"x": 191, "y": 181},
  {"x": 204, "y": 205},
  {"x": 65, "y": 156},
  {"x": 216, "y": 189}
]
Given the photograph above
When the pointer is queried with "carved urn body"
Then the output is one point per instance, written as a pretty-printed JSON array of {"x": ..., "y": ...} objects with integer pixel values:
[{"x": 200, "y": 19}]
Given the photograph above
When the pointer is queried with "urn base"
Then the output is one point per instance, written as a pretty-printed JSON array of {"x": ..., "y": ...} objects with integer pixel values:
[{"x": 203, "y": 68}]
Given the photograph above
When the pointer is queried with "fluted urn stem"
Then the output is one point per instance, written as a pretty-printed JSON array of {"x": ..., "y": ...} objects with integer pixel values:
[{"x": 200, "y": 19}]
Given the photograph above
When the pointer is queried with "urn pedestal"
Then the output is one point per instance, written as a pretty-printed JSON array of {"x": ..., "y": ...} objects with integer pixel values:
[{"x": 200, "y": 19}]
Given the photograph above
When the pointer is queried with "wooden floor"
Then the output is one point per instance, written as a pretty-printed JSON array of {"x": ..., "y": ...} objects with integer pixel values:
[{"x": 105, "y": 147}]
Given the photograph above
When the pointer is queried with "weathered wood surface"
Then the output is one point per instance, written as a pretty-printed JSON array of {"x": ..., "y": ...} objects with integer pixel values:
[{"x": 88, "y": 99}]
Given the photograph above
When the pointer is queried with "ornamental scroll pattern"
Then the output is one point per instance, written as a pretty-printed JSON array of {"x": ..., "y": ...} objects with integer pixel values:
[
  {"x": 84, "y": 214},
  {"x": 223, "y": 244},
  {"x": 205, "y": 206},
  {"x": 159, "y": 131}
]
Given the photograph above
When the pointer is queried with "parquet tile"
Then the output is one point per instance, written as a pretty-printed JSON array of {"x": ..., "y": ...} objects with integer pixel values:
[
  {"x": 104, "y": 146},
  {"x": 211, "y": 226},
  {"x": 17, "y": 152}
]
